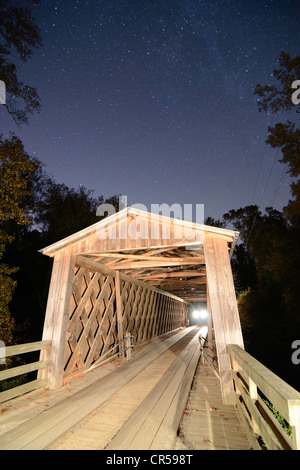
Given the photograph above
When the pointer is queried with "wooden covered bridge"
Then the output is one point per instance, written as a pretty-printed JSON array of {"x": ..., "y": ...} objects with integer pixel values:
[{"x": 120, "y": 368}]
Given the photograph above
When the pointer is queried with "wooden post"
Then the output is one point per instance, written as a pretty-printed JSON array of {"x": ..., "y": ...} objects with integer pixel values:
[
  {"x": 184, "y": 315},
  {"x": 225, "y": 314},
  {"x": 119, "y": 313},
  {"x": 57, "y": 314},
  {"x": 209, "y": 326},
  {"x": 128, "y": 346},
  {"x": 294, "y": 413},
  {"x": 254, "y": 395}
]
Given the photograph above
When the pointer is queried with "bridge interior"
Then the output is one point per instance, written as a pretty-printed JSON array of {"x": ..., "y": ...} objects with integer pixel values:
[{"x": 149, "y": 402}]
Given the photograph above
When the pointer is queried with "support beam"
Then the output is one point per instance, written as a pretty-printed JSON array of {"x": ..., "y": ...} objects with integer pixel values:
[
  {"x": 209, "y": 324},
  {"x": 155, "y": 262},
  {"x": 119, "y": 313},
  {"x": 57, "y": 314},
  {"x": 100, "y": 267},
  {"x": 225, "y": 314}
]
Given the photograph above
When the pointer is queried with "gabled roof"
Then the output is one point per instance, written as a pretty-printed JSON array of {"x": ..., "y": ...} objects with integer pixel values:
[
  {"x": 162, "y": 256},
  {"x": 129, "y": 213}
]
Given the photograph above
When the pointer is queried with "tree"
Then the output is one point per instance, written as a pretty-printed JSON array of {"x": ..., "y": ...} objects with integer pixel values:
[
  {"x": 269, "y": 300},
  {"x": 62, "y": 211},
  {"x": 19, "y": 35},
  {"x": 243, "y": 268},
  {"x": 278, "y": 98},
  {"x": 286, "y": 136},
  {"x": 16, "y": 169},
  {"x": 262, "y": 236},
  {"x": 214, "y": 222},
  {"x": 56, "y": 211}
]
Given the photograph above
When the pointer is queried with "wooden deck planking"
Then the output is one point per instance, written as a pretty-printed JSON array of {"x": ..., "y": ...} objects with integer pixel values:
[
  {"x": 207, "y": 423},
  {"x": 49, "y": 424},
  {"x": 99, "y": 428},
  {"x": 136, "y": 406},
  {"x": 155, "y": 422}
]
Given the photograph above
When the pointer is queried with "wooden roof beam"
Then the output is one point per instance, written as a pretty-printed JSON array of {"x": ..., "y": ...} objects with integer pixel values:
[
  {"x": 180, "y": 273},
  {"x": 100, "y": 267},
  {"x": 158, "y": 262}
]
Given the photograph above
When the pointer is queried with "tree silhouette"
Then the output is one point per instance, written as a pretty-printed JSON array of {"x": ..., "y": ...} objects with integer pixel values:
[
  {"x": 285, "y": 135},
  {"x": 16, "y": 169},
  {"x": 19, "y": 35}
]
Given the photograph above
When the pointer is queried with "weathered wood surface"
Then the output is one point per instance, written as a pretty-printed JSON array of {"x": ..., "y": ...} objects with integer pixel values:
[
  {"x": 26, "y": 348},
  {"x": 250, "y": 377},
  {"x": 105, "y": 305},
  {"x": 47, "y": 426},
  {"x": 227, "y": 327},
  {"x": 208, "y": 424},
  {"x": 154, "y": 423},
  {"x": 57, "y": 314},
  {"x": 5, "y": 374},
  {"x": 149, "y": 392},
  {"x": 147, "y": 395},
  {"x": 132, "y": 229},
  {"x": 20, "y": 389}
]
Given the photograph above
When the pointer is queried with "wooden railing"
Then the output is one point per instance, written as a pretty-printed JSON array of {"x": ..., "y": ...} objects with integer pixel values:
[
  {"x": 254, "y": 384},
  {"x": 24, "y": 369}
]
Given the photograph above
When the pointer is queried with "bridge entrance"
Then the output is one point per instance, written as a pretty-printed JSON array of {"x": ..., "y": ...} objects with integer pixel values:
[
  {"x": 131, "y": 275},
  {"x": 108, "y": 290}
]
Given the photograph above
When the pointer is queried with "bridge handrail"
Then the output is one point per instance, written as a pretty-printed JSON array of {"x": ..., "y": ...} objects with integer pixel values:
[
  {"x": 251, "y": 379},
  {"x": 23, "y": 369}
]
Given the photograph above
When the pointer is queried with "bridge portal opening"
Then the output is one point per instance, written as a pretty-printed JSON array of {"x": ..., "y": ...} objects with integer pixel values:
[{"x": 113, "y": 279}]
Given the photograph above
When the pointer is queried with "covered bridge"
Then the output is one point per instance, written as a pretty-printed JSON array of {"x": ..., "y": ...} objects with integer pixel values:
[
  {"x": 133, "y": 273},
  {"x": 129, "y": 278}
]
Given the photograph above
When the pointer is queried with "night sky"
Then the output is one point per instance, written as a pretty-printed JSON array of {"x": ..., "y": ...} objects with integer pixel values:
[{"x": 154, "y": 99}]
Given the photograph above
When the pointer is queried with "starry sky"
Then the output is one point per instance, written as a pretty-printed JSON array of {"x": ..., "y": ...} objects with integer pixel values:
[{"x": 153, "y": 99}]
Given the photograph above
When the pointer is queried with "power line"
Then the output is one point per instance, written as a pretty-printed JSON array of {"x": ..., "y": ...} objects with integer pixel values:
[
  {"x": 279, "y": 185},
  {"x": 282, "y": 176},
  {"x": 261, "y": 163},
  {"x": 296, "y": 11},
  {"x": 269, "y": 177}
]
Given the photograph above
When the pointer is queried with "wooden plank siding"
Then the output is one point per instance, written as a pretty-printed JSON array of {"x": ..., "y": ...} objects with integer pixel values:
[{"x": 122, "y": 231}]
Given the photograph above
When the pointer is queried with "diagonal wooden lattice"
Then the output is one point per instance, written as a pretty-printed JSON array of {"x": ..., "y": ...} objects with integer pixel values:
[
  {"x": 93, "y": 325},
  {"x": 91, "y": 329}
]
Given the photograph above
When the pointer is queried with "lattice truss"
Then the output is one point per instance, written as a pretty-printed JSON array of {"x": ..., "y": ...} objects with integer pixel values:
[
  {"x": 145, "y": 310},
  {"x": 179, "y": 270}
]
